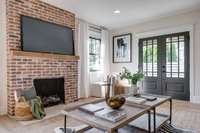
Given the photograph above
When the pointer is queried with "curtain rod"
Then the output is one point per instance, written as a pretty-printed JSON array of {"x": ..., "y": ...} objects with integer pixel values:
[
  {"x": 95, "y": 28},
  {"x": 98, "y": 27}
]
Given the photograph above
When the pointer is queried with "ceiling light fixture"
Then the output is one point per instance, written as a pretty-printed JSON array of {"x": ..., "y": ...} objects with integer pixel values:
[{"x": 117, "y": 11}]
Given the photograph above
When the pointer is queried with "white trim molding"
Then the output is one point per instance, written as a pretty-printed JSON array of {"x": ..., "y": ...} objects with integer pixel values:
[
  {"x": 195, "y": 99},
  {"x": 177, "y": 29},
  {"x": 3, "y": 59},
  {"x": 165, "y": 31}
]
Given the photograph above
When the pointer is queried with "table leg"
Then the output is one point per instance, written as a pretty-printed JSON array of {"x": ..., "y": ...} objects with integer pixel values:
[
  {"x": 115, "y": 131},
  {"x": 154, "y": 120},
  {"x": 149, "y": 121},
  {"x": 65, "y": 124},
  {"x": 170, "y": 116}
]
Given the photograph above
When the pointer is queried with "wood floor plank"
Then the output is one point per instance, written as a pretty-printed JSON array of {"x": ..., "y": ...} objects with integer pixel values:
[{"x": 185, "y": 115}]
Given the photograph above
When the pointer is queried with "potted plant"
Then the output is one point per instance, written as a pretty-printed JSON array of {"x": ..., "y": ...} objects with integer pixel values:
[{"x": 133, "y": 79}]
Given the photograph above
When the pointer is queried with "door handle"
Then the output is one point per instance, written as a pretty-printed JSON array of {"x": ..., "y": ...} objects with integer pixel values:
[{"x": 163, "y": 71}]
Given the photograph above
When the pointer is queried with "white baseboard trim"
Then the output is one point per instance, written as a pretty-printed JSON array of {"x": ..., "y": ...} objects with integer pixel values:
[{"x": 195, "y": 99}]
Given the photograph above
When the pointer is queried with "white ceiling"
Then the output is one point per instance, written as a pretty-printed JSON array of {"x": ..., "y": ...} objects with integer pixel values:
[{"x": 100, "y": 12}]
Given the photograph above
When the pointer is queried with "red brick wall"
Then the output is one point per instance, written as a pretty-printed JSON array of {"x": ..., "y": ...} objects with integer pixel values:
[{"x": 21, "y": 69}]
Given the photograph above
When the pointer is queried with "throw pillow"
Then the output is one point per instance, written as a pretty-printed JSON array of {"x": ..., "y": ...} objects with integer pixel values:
[{"x": 29, "y": 93}]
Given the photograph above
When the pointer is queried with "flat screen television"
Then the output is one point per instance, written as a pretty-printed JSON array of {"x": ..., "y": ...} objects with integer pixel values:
[{"x": 41, "y": 36}]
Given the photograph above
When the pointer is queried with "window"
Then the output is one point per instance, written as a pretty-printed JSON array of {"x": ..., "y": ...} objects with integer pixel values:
[{"x": 94, "y": 54}]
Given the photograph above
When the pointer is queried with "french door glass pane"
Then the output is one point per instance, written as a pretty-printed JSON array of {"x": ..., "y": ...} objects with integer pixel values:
[
  {"x": 181, "y": 59},
  {"x": 175, "y": 57},
  {"x": 174, "y": 39},
  {"x": 181, "y": 75},
  {"x": 155, "y": 58},
  {"x": 168, "y": 58},
  {"x": 150, "y": 58},
  {"x": 175, "y": 75},
  {"x": 144, "y": 58}
]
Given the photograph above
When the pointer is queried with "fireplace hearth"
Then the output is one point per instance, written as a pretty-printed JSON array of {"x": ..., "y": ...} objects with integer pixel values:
[{"x": 50, "y": 90}]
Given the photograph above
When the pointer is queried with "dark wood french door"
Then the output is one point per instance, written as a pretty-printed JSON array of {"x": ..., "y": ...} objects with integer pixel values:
[{"x": 164, "y": 61}]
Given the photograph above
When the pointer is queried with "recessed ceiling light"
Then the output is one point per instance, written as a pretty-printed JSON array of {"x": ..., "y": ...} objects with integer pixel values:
[{"x": 116, "y": 11}]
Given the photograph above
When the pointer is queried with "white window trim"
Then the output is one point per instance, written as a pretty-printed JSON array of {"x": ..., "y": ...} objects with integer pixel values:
[{"x": 100, "y": 54}]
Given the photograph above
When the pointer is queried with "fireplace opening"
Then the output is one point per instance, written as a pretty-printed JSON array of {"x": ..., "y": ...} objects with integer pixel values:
[{"x": 50, "y": 90}]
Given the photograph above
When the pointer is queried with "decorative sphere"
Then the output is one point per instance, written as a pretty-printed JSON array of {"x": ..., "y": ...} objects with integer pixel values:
[{"x": 116, "y": 102}]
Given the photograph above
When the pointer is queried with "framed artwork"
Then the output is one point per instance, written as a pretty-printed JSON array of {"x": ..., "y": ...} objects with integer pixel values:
[{"x": 122, "y": 48}]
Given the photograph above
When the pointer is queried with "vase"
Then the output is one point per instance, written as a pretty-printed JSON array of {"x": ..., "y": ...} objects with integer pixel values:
[{"x": 135, "y": 90}]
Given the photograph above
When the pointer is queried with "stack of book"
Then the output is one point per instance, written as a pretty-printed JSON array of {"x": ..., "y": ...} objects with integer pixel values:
[
  {"x": 104, "y": 113},
  {"x": 91, "y": 108},
  {"x": 141, "y": 99},
  {"x": 135, "y": 100},
  {"x": 111, "y": 115}
]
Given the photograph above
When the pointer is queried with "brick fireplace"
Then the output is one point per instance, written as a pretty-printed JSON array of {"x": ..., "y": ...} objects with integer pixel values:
[{"x": 23, "y": 67}]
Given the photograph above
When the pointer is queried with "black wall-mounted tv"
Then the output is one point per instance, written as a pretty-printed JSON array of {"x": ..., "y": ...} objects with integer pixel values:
[{"x": 42, "y": 36}]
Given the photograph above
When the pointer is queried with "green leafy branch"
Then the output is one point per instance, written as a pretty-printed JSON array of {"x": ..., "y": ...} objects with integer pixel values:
[{"x": 133, "y": 78}]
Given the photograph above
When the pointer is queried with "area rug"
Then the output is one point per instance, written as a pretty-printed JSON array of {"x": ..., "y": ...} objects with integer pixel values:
[
  {"x": 76, "y": 128},
  {"x": 168, "y": 128},
  {"x": 165, "y": 128}
]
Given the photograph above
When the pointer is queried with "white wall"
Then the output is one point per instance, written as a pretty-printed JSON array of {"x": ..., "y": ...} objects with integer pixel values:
[
  {"x": 3, "y": 76},
  {"x": 190, "y": 21}
]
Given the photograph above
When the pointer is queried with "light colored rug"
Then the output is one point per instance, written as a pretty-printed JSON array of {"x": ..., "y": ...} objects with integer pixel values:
[
  {"x": 60, "y": 130},
  {"x": 167, "y": 128}
]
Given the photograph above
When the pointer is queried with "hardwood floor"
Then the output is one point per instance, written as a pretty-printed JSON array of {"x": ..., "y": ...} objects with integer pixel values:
[{"x": 185, "y": 115}]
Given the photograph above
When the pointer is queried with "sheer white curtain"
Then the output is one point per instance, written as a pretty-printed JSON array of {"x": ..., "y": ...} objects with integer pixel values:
[
  {"x": 86, "y": 78},
  {"x": 105, "y": 53},
  {"x": 82, "y": 49},
  {"x": 101, "y": 75}
]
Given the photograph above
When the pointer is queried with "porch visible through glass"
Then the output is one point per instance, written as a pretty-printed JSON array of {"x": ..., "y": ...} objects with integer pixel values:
[
  {"x": 150, "y": 58},
  {"x": 175, "y": 57}
]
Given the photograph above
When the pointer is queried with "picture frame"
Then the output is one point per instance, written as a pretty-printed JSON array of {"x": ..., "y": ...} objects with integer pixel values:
[{"x": 122, "y": 48}]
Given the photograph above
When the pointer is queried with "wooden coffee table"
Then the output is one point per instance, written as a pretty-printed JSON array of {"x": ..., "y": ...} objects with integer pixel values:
[
  {"x": 157, "y": 118},
  {"x": 133, "y": 112},
  {"x": 142, "y": 116}
]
